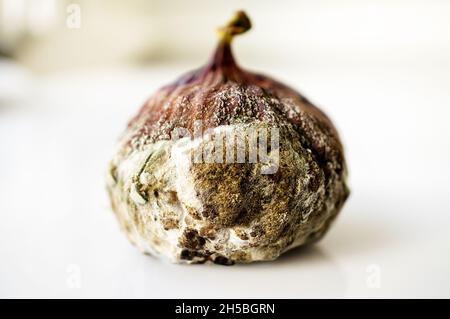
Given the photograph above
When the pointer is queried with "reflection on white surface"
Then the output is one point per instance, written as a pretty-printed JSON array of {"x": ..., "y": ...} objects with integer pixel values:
[{"x": 58, "y": 237}]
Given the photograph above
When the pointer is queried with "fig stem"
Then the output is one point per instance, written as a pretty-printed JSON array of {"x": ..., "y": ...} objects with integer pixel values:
[{"x": 240, "y": 23}]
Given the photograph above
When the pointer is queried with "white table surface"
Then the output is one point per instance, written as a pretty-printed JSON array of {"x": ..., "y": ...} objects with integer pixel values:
[{"x": 58, "y": 237}]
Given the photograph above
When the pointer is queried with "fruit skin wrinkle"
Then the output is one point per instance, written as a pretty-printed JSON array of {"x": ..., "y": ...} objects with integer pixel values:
[{"x": 188, "y": 212}]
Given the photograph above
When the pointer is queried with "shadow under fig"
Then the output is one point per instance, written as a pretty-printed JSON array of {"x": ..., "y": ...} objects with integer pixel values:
[{"x": 356, "y": 236}]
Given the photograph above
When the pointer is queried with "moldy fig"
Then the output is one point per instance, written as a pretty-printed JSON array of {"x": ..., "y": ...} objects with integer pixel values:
[{"x": 227, "y": 165}]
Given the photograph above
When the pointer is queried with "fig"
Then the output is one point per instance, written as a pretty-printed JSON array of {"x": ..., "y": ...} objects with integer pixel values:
[{"x": 225, "y": 165}]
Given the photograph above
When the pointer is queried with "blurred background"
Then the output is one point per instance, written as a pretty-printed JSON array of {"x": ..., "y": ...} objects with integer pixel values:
[
  {"x": 54, "y": 35},
  {"x": 73, "y": 72}
]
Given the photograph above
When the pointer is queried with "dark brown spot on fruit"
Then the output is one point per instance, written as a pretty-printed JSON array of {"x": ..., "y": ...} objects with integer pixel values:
[
  {"x": 220, "y": 260},
  {"x": 192, "y": 240}
]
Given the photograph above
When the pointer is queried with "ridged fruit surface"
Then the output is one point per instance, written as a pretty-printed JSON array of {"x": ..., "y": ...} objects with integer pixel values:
[{"x": 174, "y": 201}]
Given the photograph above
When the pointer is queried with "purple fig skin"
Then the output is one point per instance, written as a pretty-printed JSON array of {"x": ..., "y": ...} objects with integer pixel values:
[{"x": 239, "y": 215}]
